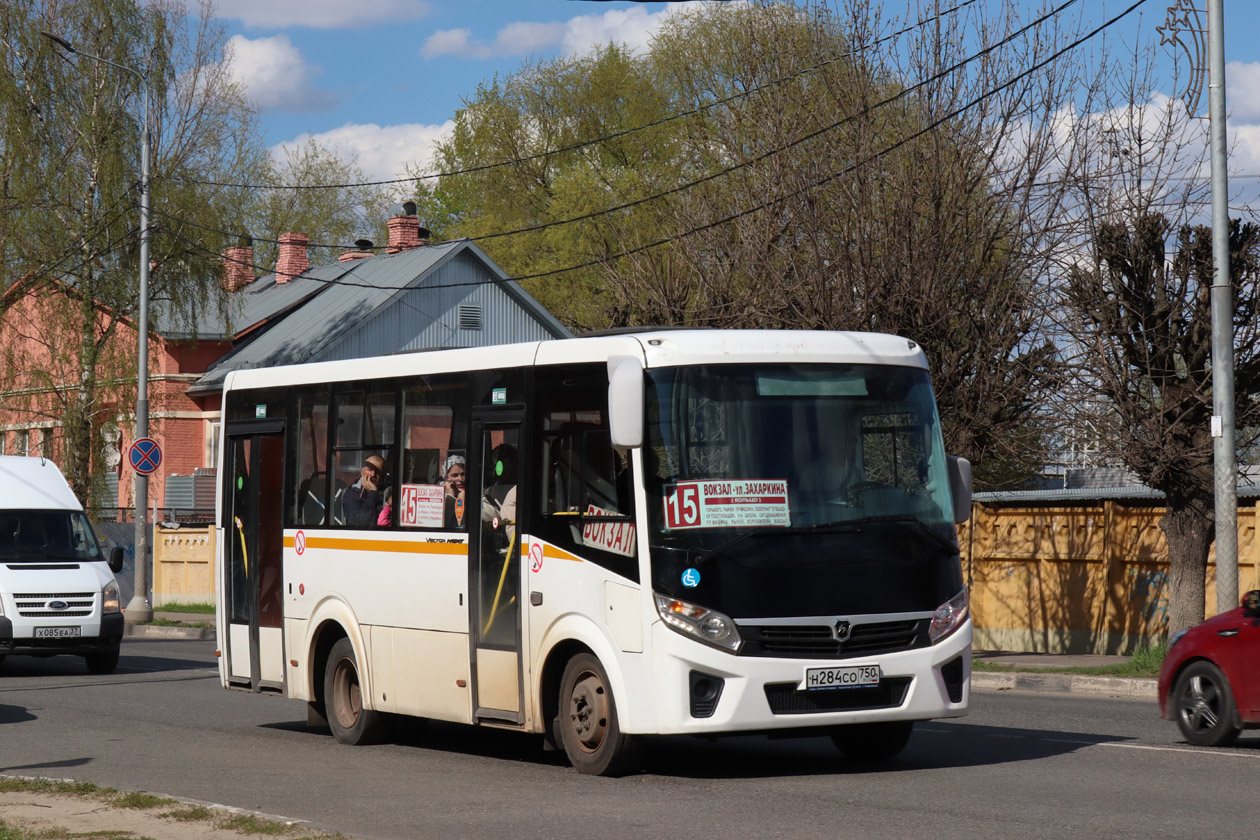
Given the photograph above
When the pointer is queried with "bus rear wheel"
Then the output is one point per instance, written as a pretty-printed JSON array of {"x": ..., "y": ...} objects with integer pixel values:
[
  {"x": 587, "y": 721},
  {"x": 349, "y": 721},
  {"x": 871, "y": 743}
]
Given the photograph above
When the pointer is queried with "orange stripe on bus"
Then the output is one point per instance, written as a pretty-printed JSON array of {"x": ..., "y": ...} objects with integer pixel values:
[
  {"x": 554, "y": 553},
  {"x": 396, "y": 546}
]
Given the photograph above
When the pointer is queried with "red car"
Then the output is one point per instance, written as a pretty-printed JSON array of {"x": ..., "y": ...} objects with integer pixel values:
[{"x": 1210, "y": 680}]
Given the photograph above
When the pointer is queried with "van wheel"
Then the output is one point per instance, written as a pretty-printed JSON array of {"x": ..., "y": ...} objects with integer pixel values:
[
  {"x": 349, "y": 721},
  {"x": 587, "y": 721},
  {"x": 872, "y": 743},
  {"x": 102, "y": 663}
]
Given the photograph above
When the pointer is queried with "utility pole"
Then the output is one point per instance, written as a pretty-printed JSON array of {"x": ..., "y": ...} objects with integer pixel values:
[
  {"x": 138, "y": 609},
  {"x": 1222, "y": 303}
]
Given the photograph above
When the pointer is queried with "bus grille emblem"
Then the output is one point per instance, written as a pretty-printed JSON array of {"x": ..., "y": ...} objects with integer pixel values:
[
  {"x": 841, "y": 630},
  {"x": 57, "y": 605}
]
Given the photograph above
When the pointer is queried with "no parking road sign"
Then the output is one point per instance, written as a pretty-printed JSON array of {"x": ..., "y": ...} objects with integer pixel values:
[{"x": 145, "y": 456}]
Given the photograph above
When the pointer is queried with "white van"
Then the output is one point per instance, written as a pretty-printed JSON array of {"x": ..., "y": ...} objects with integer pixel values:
[{"x": 57, "y": 593}]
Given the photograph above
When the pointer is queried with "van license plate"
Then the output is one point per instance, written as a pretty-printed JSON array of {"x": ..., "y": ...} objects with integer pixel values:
[
  {"x": 847, "y": 676},
  {"x": 57, "y": 632}
]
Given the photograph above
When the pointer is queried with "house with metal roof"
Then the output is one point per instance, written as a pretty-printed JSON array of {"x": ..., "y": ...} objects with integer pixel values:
[
  {"x": 416, "y": 295},
  {"x": 444, "y": 295}
]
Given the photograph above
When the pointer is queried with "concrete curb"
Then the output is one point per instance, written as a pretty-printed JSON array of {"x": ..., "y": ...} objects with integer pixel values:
[
  {"x": 150, "y": 631},
  {"x": 1066, "y": 684}
]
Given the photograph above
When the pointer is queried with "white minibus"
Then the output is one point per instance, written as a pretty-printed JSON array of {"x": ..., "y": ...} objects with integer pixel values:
[{"x": 600, "y": 539}]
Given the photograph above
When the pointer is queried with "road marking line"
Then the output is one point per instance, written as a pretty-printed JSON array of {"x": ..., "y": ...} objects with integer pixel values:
[{"x": 1229, "y": 753}]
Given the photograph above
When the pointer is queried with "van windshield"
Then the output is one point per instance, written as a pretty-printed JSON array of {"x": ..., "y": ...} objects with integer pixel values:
[{"x": 37, "y": 535}]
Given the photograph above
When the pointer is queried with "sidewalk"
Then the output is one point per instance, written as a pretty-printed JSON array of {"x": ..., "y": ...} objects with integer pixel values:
[
  {"x": 190, "y": 630},
  {"x": 1033, "y": 677}
]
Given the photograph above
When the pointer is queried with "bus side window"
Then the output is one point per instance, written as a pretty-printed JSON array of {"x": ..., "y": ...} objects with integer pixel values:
[
  {"x": 586, "y": 493},
  {"x": 364, "y": 453},
  {"x": 434, "y": 429},
  {"x": 312, "y": 494}
]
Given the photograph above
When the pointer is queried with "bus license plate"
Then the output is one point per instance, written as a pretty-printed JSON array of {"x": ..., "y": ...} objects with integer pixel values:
[
  {"x": 57, "y": 632},
  {"x": 847, "y": 676}
]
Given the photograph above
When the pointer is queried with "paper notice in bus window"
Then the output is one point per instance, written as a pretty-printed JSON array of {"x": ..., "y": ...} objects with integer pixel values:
[
  {"x": 727, "y": 504},
  {"x": 617, "y": 537},
  {"x": 421, "y": 505}
]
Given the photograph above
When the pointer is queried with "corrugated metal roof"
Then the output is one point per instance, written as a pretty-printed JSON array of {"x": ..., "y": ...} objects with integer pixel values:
[
  {"x": 1246, "y": 490},
  {"x": 324, "y": 314}
]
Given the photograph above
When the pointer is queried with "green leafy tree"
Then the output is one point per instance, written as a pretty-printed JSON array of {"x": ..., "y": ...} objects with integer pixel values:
[
  {"x": 70, "y": 130},
  {"x": 807, "y": 188},
  {"x": 331, "y": 217}
]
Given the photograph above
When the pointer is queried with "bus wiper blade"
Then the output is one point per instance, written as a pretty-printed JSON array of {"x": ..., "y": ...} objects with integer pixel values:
[
  {"x": 898, "y": 518},
  {"x": 764, "y": 531}
]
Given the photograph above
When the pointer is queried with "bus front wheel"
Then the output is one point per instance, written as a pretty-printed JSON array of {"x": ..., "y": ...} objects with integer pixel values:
[
  {"x": 587, "y": 724},
  {"x": 349, "y": 721},
  {"x": 871, "y": 743}
]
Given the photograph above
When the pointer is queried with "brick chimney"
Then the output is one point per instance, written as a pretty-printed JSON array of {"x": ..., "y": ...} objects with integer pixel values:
[
  {"x": 405, "y": 232},
  {"x": 292, "y": 260},
  {"x": 238, "y": 266},
  {"x": 363, "y": 251}
]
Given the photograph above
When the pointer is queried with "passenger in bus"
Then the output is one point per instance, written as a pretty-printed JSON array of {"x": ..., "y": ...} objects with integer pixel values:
[
  {"x": 498, "y": 505},
  {"x": 362, "y": 500},
  {"x": 387, "y": 510},
  {"x": 454, "y": 477}
]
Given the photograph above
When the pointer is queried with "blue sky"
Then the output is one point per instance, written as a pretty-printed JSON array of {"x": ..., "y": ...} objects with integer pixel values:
[{"x": 380, "y": 79}]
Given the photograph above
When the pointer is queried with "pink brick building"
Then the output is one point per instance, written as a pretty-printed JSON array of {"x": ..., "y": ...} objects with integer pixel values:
[{"x": 411, "y": 296}]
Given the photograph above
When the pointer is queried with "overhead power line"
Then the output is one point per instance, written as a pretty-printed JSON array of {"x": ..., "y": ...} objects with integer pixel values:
[
  {"x": 901, "y": 94},
  {"x": 763, "y": 205},
  {"x": 597, "y": 140}
]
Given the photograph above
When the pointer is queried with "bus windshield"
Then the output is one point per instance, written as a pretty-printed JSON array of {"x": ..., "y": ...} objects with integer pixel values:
[{"x": 737, "y": 448}]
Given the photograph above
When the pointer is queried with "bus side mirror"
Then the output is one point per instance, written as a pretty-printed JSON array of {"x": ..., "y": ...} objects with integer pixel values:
[
  {"x": 625, "y": 401},
  {"x": 960, "y": 487},
  {"x": 116, "y": 559}
]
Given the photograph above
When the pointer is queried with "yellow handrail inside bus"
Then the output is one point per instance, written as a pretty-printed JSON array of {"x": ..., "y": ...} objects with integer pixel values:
[
  {"x": 494, "y": 608},
  {"x": 240, "y": 529}
]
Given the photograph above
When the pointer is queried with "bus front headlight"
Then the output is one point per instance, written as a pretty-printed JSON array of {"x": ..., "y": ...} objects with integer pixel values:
[
  {"x": 949, "y": 616},
  {"x": 109, "y": 599},
  {"x": 709, "y": 626}
]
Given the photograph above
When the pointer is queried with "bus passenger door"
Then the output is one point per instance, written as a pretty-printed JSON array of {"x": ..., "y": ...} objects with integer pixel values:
[
  {"x": 252, "y": 579},
  {"x": 496, "y": 576}
]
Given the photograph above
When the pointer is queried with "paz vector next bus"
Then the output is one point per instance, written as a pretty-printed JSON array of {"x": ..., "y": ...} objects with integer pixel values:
[{"x": 600, "y": 539}]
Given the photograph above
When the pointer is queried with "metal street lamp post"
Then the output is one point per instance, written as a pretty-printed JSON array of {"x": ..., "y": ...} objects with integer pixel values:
[
  {"x": 1225, "y": 466},
  {"x": 138, "y": 609}
]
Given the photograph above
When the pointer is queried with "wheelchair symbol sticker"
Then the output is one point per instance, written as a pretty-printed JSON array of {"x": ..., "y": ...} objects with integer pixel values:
[{"x": 691, "y": 578}]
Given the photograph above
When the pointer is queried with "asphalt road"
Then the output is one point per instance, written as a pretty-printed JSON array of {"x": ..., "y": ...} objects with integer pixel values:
[{"x": 1022, "y": 765}]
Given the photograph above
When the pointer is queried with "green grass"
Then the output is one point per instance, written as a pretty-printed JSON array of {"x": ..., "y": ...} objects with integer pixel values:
[
  {"x": 139, "y": 801},
  {"x": 201, "y": 609},
  {"x": 249, "y": 824},
  {"x": 166, "y": 622},
  {"x": 1144, "y": 664},
  {"x": 193, "y": 813}
]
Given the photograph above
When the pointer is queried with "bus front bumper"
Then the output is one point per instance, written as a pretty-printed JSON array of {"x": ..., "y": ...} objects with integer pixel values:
[{"x": 703, "y": 690}]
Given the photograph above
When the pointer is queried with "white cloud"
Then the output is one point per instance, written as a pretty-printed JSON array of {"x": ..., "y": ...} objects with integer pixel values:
[
  {"x": 454, "y": 42},
  {"x": 633, "y": 27},
  {"x": 321, "y": 14},
  {"x": 276, "y": 75},
  {"x": 382, "y": 152},
  {"x": 1242, "y": 91}
]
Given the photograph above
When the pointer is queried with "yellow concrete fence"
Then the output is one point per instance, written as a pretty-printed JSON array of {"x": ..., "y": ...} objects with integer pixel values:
[
  {"x": 1088, "y": 578},
  {"x": 183, "y": 565},
  {"x": 1082, "y": 578}
]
